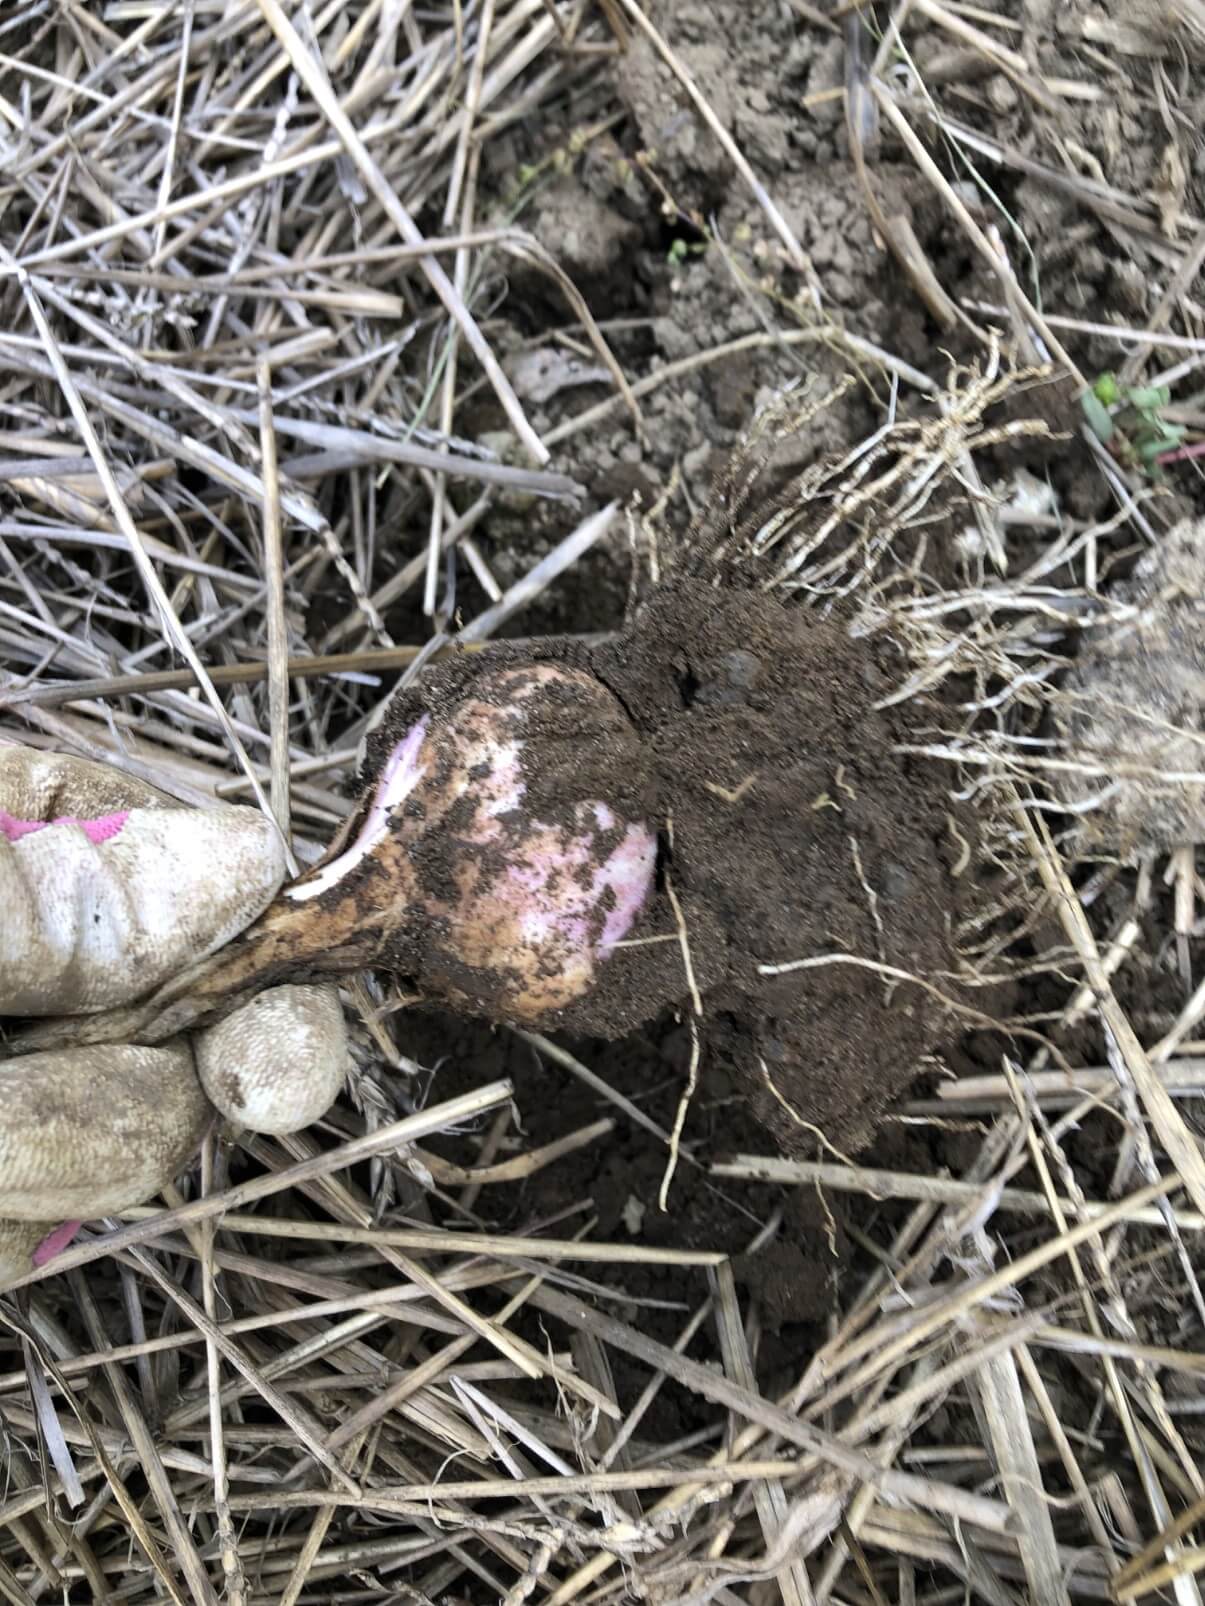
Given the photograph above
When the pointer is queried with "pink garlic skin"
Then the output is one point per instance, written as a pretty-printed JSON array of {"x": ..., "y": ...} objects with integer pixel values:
[
  {"x": 553, "y": 915},
  {"x": 402, "y": 774},
  {"x": 540, "y": 904},
  {"x": 519, "y": 912}
]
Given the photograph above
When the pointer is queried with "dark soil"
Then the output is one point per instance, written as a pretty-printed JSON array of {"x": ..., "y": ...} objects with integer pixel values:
[
  {"x": 676, "y": 257},
  {"x": 616, "y": 1182},
  {"x": 791, "y": 829}
]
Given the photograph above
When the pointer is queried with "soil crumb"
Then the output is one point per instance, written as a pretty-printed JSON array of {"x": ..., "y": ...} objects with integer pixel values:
[{"x": 790, "y": 830}]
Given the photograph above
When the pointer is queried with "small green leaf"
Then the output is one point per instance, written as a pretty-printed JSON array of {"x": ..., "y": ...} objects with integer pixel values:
[
  {"x": 1158, "y": 441},
  {"x": 1106, "y": 390},
  {"x": 1148, "y": 398},
  {"x": 1166, "y": 441},
  {"x": 1097, "y": 416}
]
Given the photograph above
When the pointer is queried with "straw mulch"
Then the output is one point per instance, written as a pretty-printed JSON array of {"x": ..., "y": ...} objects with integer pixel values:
[{"x": 232, "y": 369}]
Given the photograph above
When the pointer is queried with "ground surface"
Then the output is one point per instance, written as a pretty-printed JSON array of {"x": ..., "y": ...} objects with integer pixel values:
[
  {"x": 657, "y": 277},
  {"x": 757, "y": 67},
  {"x": 1068, "y": 141}
]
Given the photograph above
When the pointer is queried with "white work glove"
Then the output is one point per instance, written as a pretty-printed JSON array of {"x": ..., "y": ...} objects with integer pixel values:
[{"x": 108, "y": 889}]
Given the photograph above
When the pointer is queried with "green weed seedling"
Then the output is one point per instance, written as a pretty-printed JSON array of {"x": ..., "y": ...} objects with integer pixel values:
[
  {"x": 1128, "y": 420},
  {"x": 681, "y": 249}
]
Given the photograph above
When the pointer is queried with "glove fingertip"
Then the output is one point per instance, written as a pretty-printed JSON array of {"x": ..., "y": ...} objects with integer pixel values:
[
  {"x": 88, "y": 1131},
  {"x": 276, "y": 1064},
  {"x": 233, "y": 858},
  {"x": 40, "y": 785},
  {"x": 19, "y": 1241},
  {"x": 200, "y": 876}
]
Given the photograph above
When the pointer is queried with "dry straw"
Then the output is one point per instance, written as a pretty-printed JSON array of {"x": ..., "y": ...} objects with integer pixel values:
[{"x": 292, "y": 1385}]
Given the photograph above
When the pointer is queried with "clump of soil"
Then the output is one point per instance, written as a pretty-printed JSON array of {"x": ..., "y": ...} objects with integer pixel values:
[
  {"x": 790, "y": 829},
  {"x": 1132, "y": 708}
]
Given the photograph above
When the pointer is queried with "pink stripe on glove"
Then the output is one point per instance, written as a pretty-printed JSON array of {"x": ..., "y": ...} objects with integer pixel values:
[
  {"x": 55, "y": 1242},
  {"x": 101, "y": 830}
]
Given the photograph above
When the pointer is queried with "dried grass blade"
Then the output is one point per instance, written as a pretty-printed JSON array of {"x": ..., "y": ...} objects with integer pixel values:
[
  {"x": 927, "y": 1493},
  {"x": 278, "y": 645},
  {"x": 1003, "y": 1406},
  {"x": 1170, "y": 1128},
  {"x": 314, "y": 77}
]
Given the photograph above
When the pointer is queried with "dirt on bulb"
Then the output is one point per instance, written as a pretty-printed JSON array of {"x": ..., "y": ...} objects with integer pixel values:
[{"x": 790, "y": 829}]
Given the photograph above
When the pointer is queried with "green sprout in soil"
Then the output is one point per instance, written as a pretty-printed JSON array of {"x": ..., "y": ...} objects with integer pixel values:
[
  {"x": 1128, "y": 419},
  {"x": 680, "y": 249}
]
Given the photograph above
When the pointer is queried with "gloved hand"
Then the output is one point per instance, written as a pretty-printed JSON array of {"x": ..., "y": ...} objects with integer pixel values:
[{"x": 107, "y": 889}]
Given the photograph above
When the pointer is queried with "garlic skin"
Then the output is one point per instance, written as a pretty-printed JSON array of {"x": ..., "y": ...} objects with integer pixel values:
[
  {"x": 545, "y": 920},
  {"x": 534, "y": 908},
  {"x": 509, "y": 915}
]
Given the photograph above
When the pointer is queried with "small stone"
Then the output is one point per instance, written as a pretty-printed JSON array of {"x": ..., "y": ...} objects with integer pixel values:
[{"x": 1002, "y": 94}]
